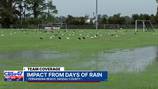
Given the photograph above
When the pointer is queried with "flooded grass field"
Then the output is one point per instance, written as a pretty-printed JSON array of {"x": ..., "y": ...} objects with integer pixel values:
[
  {"x": 34, "y": 55},
  {"x": 126, "y": 60},
  {"x": 130, "y": 60},
  {"x": 128, "y": 57}
]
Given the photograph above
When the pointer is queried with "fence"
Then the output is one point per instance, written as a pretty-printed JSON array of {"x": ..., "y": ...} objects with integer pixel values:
[{"x": 91, "y": 26}]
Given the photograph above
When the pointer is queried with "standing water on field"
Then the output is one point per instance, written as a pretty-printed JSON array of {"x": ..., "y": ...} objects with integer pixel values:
[
  {"x": 128, "y": 60},
  {"x": 33, "y": 55}
]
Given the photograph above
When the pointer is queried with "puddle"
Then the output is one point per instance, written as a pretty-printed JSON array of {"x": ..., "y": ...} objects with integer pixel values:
[
  {"x": 128, "y": 60},
  {"x": 33, "y": 55}
]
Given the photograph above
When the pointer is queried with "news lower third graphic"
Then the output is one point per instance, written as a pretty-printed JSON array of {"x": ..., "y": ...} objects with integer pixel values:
[{"x": 54, "y": 74}]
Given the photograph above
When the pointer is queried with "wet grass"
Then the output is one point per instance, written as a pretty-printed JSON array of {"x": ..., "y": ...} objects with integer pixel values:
[{"x": 94, "y": 42}]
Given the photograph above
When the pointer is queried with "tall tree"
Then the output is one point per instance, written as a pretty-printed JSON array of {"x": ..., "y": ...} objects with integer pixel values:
[
  {"x": 35, "y": 6},
  {"x": 8, "y": 12},
  {"x": 49, "y": 11},
  {"x": 15, "y": 11},
  {"x": 51, "y": 8},
  {"x": 38, "y": 7}
]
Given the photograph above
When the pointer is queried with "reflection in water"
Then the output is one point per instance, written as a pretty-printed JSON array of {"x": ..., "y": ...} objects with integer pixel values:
[
  {"x": 128, "y": 60},
  {"x": 33, "y": 55}
]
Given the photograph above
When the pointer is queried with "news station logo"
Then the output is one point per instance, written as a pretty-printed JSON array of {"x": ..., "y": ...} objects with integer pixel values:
[{"x": 13, "y": 75}]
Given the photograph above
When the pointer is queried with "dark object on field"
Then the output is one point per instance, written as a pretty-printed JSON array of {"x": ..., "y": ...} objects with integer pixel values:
[
  {"x": 41, "y": 38},
  {"x": 112, "y": 34},
  {"x": 45, "y": 31},
  {"x": 83, "y": 38},
  {"x": 79, "y": 38},
  {"x": 59, "y": 38},
  {"x": 125, "y": 31},
  {"x": 135, "y": 33},
  {"x": 96, "y": 35}
]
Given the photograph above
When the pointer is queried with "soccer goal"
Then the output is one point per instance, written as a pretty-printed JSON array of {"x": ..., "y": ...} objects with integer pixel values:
[{"x": 144, "y": 25}]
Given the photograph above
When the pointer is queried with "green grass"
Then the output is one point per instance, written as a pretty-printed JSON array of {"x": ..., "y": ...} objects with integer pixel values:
[{"x": 83, "y": 50}]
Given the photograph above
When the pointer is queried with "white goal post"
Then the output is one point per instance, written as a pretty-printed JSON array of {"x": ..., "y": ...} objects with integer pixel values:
[{"x": 144, "y": 25}]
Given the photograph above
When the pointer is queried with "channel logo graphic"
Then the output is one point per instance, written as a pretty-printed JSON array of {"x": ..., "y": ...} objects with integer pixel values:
[{"x": 13, "y": 75}]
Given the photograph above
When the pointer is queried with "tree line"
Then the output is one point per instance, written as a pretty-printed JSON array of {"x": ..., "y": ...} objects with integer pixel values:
[
  {"x": 105, "y": 19},
  {"x": 34, "y": 12},
  {"x": 26, "y": 12}
]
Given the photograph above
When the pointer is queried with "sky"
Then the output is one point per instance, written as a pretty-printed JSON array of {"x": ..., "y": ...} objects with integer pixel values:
[{"x": 108, "y": 7}]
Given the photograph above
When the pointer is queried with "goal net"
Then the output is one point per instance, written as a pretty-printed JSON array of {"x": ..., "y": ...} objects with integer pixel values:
[{"x": 144, "y": 25}]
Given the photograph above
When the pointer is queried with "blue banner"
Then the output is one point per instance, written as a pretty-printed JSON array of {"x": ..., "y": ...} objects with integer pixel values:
[{"x": 65, "y": 76}]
